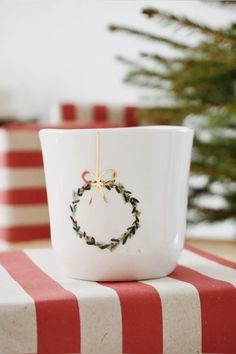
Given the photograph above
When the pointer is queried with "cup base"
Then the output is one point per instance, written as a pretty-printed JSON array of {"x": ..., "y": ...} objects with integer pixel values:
[
  {"x": 121, "y": 279},
  {"x": 123, "y": 268}
]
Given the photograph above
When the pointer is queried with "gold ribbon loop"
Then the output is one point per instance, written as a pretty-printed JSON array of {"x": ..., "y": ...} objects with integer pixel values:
[
  {"x": 97, "y": 179},
  {"x": 85, "y": 173},
  {"x": 112, "y": 176}
]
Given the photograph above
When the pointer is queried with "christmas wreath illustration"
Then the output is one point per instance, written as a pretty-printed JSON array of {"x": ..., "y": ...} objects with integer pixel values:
[{"x": 97, "y": 182}]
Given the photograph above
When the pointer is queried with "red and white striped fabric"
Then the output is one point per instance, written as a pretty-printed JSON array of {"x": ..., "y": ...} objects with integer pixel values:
[
  {"x": 23, "y": 200},
  {"x": 96, "y": 113},
  {"x": 191, "y": 311}
]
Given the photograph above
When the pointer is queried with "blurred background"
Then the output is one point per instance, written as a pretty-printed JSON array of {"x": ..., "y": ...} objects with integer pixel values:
[{"x": 172, "y": 62}]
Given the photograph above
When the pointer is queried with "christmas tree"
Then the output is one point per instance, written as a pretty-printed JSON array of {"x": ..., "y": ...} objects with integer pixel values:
[{"x": 199, "y": 82}]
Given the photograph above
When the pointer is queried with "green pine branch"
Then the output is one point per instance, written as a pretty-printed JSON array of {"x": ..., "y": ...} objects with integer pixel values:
[
  {"x": 143, "y": 83},
  {"x": 158, "y": 58},
  {"x": 199, "y": 85},
  {"x": 185, "y": 22},
  {"x": 190, "y": 61},
  {"x": 150, "y": 36},
  {"x": 139, "y": 70},
  {"x": 213, "y": 49}
]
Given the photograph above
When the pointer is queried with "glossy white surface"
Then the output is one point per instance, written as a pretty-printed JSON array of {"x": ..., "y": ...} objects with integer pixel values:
[{"x": 151, "y": 162}]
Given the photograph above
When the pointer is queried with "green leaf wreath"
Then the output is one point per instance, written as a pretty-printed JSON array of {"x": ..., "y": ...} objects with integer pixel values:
[{"x": 114, "y": 241}]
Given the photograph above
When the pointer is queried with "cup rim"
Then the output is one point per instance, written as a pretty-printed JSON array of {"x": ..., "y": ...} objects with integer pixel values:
[{"x": 161, "y": 128}]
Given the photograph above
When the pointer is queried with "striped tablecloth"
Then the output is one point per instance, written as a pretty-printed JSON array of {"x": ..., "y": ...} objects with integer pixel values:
[{"x": 191, "y": 311}]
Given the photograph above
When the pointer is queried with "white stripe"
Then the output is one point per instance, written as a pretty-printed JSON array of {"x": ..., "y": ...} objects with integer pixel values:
[
  {"x": 208, "y": 267},
  {"x": 55, "y": 114},
  {"x": 21, "y": 177},
  {"x": 19, "y": 245},
  {"x": 181, "y": 311},
  {"x": 23, "y": 215},
  {"x": 18, "y": 329},
  {"x": 115, "y": 114},
  {"x": 18, "y": 140},
  {"x": 84, "y": 114},
  {"x": 99, "y": 306},
  {"x": 4, "y": 246}
]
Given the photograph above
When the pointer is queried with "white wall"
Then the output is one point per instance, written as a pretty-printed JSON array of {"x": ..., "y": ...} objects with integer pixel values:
[{"x": 54, "y": 50}]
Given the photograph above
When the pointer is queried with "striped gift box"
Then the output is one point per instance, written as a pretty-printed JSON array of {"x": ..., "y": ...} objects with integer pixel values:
[
  {"x": 191, "y": 311},
  {"x": 97, "y": 113},
  {"x": 23, "y": 201}
]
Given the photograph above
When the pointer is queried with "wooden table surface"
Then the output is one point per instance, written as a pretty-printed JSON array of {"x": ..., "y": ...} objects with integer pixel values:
[{"x": 225, "y": 249}]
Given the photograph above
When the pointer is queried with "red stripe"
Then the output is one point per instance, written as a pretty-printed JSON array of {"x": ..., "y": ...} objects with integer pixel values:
[
  {"x": 24, "y": 233},
  {"x": 212, "y": 257},
  {"x": 21, "y": 159},
  {"x": 218, "y": 310},
  {"x": 141, "y": 317},
  {"x": 57, "y": 312},
  {"x": 23, "y": 196},
  {"x": 68, "y": 112},
  {"x": 129, "y": 116},
  {"x": 100, "y": 114}
]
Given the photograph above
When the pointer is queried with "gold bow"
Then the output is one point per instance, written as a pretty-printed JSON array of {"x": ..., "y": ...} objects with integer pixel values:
[{"x": 96, "y": 179}]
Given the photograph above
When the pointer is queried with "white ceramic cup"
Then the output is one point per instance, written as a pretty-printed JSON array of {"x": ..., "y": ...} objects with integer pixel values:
[{"x": 150, "y": 162}]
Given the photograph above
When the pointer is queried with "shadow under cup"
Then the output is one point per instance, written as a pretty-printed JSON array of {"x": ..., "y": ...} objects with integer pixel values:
[{"x": 117, "y": 199}]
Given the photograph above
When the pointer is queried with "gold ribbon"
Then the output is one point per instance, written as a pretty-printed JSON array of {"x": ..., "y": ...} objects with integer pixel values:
[{"x": 97, "y": 179}]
